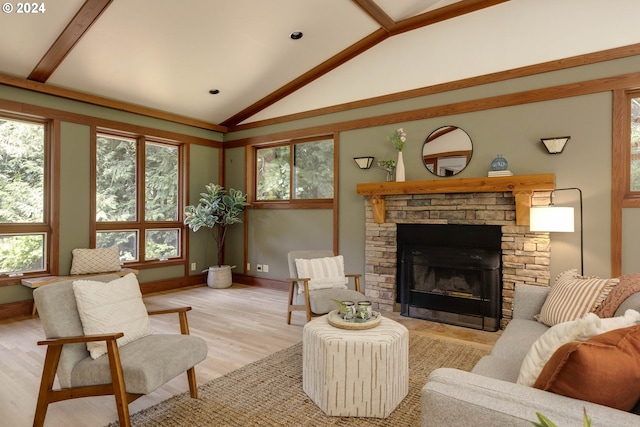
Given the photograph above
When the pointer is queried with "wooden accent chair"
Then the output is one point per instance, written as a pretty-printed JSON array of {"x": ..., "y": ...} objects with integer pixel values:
[
  {"x": 127, "y": 372},
  {"x": 316, "y": 302}
]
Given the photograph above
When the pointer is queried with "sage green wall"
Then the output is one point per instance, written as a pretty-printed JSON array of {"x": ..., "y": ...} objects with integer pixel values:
[
  {"x": 75, "y": 142},
  {"x": 235, "y": 178},
  {"x": 275, "y": 232},
  {"x": 514, "y": 132},
  {"x": 204, "y": 169},
  {"x": 75, "y": 189},
  {"x": 511, "y": 131}
]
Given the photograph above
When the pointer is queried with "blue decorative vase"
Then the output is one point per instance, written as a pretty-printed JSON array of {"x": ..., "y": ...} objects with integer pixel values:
[{"x": 499, "y": 163}]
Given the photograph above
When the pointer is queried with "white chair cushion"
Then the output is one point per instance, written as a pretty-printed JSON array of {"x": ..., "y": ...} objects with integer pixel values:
[
  {"x": 111, "y": 307},
  {"x": 325, "y": 273}
]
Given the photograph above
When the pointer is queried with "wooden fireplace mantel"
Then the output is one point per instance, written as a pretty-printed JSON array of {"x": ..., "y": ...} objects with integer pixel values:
[{"x": 522, "y": 186}]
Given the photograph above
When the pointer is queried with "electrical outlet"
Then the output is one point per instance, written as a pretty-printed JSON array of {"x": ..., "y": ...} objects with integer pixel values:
[
  {"x": 193, "y": 266},
  {"x": 248, "y": 266},
  {"x": 265, "y": 268},
  {"x": 259, "y": 268}
]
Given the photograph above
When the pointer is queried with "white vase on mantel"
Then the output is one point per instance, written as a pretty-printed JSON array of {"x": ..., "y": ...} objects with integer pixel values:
[{"x": 400, "y": 168}]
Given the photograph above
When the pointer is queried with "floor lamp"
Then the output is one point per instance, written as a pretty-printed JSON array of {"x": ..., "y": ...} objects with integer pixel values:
[{"x": 557, "y": 219}]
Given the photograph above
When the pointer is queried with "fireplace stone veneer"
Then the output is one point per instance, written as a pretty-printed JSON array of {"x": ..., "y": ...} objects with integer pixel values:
[{"x": 525, "y": 255}]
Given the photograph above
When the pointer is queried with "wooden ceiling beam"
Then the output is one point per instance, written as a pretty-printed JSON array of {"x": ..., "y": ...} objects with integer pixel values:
[
  {"x": 373, "y": 10},
  {"x": 448, "y": 12},
  {"x": 77, "y": 27},
  {"x": 48, "y": 89},
  {"x": 317, "y": 72},
  {"x": 442, "y": 14}
]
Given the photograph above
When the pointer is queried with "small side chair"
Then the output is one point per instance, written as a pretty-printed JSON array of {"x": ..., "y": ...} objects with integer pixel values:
[
  {"x": 316, "y": 302},
  {"x": 127, "y": 372}
]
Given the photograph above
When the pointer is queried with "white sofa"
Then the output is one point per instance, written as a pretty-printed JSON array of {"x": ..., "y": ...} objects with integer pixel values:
[{"x": 489, "y": 394}]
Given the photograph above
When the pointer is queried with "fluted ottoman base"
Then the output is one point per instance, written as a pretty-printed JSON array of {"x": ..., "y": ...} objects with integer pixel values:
[{"x": 355, "y": 373}]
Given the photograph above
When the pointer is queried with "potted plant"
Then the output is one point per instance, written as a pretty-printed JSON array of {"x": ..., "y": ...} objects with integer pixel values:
[
  {"x": 217, "y": 210},
  {"x": 389, "y": 166}
]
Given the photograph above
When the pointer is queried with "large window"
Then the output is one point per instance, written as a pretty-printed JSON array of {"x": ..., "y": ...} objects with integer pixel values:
[
  {"x": 634, "y": 160},
  {"x": 24, "y": 187},
  {"x": 296, "y": 172},
  {"x": 138, "y": 198}
]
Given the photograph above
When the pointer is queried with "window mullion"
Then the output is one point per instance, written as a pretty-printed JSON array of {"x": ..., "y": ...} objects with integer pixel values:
[
  {"x": 292, "y": 170},
  {"x": 141, "y": 196}
]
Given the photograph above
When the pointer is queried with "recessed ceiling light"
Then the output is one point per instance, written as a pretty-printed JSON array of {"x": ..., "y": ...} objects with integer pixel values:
[
  {"x": 296, "y": 35},
  {"x": 214, "y": 91}
]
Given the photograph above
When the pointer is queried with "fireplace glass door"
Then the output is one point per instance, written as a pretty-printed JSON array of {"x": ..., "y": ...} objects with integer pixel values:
[{"x": 451, "y": 285}]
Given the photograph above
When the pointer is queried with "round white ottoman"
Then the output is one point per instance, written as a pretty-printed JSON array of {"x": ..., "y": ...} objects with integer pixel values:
[{"x": 355, "y": 373}]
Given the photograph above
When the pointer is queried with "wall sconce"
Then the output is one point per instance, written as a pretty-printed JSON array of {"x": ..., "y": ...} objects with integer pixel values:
[
  {"x": 556, "y": 144},
  {"x": 557, "y": 219},
  {"x": 363, "y": 162}
]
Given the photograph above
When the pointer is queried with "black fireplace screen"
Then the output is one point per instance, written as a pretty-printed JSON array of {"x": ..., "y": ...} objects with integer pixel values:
[{"x": 451, "y": 284}]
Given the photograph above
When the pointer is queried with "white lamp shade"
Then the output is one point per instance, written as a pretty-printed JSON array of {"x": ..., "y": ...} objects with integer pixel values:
[
  {"x": 551, "y": 219},
  {"x": 363, "y": 162},
  {"x": 555, "y": 145}
]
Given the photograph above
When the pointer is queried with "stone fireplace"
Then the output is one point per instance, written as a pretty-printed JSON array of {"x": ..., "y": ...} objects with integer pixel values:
[{"x": 524, "y": 255}]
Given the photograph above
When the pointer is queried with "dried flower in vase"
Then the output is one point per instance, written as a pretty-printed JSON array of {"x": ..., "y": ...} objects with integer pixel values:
[{"x": 398, "y": 138}]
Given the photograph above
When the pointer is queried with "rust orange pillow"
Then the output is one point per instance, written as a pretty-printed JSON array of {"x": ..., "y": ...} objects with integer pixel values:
[{"x": 604, "y": 370}]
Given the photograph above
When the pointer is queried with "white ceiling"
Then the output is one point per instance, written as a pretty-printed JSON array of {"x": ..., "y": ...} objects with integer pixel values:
[{"x": 167, "y": 54}]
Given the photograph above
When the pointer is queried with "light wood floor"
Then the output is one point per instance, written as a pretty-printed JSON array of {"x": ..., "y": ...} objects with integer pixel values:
[{"x": 241, "y": 324}]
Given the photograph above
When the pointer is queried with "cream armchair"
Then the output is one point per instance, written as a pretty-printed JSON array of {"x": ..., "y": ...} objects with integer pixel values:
[
  {"x": 316, "y": 302},
  {"x": 127, "y": 372}
]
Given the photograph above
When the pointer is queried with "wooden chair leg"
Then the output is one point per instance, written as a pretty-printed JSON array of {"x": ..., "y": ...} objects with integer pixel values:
[
  {"x": 193, "y": 386},
  {"x": 292, "y": 287},
  {"x": 117, "y": 378},
  {"x": 307, "y": 300},
  {"x": 46, "y": 385}
]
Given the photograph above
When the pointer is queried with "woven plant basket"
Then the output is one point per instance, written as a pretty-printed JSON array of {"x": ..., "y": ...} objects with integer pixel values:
[{"x": 219, "y": 277}]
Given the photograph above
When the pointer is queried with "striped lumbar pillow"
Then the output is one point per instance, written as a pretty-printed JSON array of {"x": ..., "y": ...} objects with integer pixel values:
[
  {"x": 324, "y": 272},
  {"x": 572, "y": 296}
]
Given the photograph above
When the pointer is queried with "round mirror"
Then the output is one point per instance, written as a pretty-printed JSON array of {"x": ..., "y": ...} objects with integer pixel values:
[{"x": 447, "y": 151}]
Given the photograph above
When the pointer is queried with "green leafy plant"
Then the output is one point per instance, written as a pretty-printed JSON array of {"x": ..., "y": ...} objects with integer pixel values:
[
  {"x": 388, "y": 165},
  {"x": 546, "y": 422},
  {"x": 398, "y": 138},
  {"x": 218, "y": 209}
]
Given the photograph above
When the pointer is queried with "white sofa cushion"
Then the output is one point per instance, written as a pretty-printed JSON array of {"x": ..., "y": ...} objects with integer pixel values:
[{"x": 577, "y": 330}]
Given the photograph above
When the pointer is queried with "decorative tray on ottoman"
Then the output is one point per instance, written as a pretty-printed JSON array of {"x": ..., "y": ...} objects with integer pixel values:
[{"x": 336, "y": 320}]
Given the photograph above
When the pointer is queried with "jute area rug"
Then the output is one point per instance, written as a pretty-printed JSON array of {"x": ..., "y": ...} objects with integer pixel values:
[{"x": 269, "y": 392}]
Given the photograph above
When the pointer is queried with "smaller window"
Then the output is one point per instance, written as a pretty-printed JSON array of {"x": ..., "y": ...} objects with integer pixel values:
[
  {"x": 23, "y": 253},
  {"x": 125, "y": 240},
  {"x": 273, "y": 173},
  {"x": 310, "y": 178},
  {"x": 162, "y": 243}
]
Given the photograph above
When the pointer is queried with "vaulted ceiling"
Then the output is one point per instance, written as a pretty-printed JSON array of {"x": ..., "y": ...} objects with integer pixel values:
[{"x": 163, "y": 57}]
